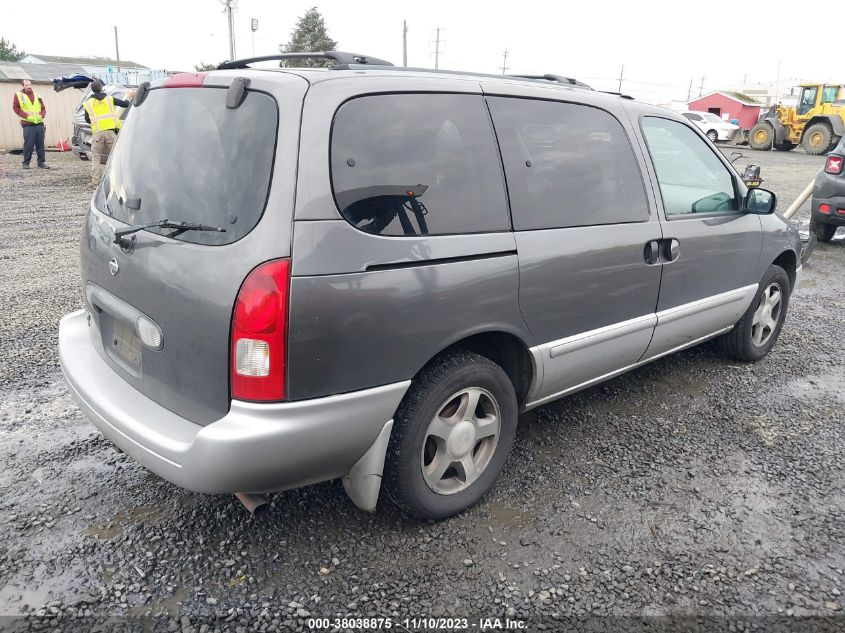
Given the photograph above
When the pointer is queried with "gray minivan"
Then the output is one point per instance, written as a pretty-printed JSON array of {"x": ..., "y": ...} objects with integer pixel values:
[{"x": 368, "y": 272}]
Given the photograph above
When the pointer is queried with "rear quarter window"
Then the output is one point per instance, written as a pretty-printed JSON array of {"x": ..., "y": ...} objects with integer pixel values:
[
  {"x": 417, "y": 164},
  {"x": 187, "y": 157},
  {"x": 567, "y": 165}
]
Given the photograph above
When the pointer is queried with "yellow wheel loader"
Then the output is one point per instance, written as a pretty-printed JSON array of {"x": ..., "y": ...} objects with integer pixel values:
[{"x": 817, "y": 123}]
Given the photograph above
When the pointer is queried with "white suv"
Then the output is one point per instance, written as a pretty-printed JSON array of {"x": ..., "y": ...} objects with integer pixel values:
[{"x": 715, "y": 128}]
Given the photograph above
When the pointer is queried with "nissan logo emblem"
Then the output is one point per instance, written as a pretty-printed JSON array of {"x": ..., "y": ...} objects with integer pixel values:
[{"x": 113, "y": 266}]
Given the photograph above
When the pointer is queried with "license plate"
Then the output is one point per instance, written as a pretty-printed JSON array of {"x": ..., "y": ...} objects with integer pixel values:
[{"x": 125, "y": 344}]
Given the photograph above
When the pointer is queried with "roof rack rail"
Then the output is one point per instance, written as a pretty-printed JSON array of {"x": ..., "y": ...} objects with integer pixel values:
[
  {"x": 343, "y": 60},
  {"x": 557, "y": 79},
  {"x": 618, "y": 94}
]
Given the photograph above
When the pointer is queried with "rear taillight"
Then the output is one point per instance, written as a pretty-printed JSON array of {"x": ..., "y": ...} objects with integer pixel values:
[
  {"x": 259, "y": 334},
  {"x": 834, "y": 164},
  {"x": 824, "y": 208}
]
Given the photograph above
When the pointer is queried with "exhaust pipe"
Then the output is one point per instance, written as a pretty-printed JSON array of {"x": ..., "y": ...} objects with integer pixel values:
[{"x": 257, "y": 505}]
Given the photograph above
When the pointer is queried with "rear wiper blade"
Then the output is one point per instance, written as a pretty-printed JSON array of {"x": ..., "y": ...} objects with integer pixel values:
[{"x": 179, "y": 227}]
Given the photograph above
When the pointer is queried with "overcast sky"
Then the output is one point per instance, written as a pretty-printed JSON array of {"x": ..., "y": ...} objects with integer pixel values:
[{"x": 662, "y": 44}]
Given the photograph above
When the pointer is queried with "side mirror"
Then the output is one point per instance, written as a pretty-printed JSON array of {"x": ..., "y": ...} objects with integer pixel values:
[{"x": 760, "y": 201}]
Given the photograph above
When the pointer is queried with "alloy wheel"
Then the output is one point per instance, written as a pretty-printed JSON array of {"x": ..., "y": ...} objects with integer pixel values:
[
  {"x": 766, "y": 315},
  {"x": 460, "y": 440}
]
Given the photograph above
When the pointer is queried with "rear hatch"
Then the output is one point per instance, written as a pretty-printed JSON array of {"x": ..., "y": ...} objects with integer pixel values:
[{"x": 183, "y": 155}]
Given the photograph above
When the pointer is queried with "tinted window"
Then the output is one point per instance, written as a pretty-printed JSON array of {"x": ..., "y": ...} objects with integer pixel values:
[
  {"x": 186, "y": 156},
  {"x": 692, "y": 117},
  {"x": 567, "y": 165},
  {"x": 417, "y": 164},
  {"x": 692, "y": 179}
]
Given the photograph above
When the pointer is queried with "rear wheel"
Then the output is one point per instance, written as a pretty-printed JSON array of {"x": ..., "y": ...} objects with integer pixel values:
[
  {"x": 761, "y": 137},
  {"x": 818, "y": 139},
  {"x": 451, "y": 436},
  {"x": 824, "y": 232},
  {"x": 713, "y": 136},
  {"x": 757, "y": 331}
]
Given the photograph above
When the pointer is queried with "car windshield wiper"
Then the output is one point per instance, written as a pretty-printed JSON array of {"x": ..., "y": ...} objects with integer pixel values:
[{"x": 179, "y": 227}]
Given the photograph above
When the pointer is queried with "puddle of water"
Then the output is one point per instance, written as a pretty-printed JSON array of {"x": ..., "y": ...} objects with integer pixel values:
[
  {"x": 108, "y": 530},
  {"x": 171, "y": 605},
  {"x": 827, "y": 386},
  {"x": 505, "y": 516},
  {"x": 44, "y": 587}
]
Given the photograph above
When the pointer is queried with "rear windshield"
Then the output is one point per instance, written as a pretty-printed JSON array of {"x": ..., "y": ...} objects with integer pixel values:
[{"x": 182, "y": 155}]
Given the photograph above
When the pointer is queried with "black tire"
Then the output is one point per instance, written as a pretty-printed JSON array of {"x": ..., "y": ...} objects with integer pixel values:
[
  {"x": 429, "y": 393},
  {"x": 824, "y": 232},
  {"x": 713, "y": 136},
  {"x": 761, "y": 137},
  {"x": 738, "y": 342},
  {"x": 785, "y": 146},
  {"x": 817, "y": 139}
]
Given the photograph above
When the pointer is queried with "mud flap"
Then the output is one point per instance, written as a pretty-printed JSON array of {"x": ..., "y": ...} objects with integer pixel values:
[{"x": 363, "y": 482}]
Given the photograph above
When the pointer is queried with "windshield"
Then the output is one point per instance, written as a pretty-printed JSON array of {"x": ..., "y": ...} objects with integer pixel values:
[{"x": 184, "y": 156}]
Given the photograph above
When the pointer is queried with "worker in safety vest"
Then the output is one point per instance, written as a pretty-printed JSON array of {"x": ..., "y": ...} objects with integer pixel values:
[
  {"x": 30, "y": 108},
  {"x": 105, "y": 123}
]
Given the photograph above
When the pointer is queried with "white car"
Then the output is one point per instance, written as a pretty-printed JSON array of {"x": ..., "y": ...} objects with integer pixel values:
[{"x": 716, "y": 128}]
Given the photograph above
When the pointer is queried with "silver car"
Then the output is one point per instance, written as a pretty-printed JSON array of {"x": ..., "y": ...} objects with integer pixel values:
[{"x": 367, "y": 272}]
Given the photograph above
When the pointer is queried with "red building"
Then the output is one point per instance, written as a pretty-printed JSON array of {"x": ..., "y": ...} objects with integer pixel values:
[{"x": 730, "y": 106}]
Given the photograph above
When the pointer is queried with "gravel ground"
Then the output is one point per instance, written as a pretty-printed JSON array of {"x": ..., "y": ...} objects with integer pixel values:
[{"x": 692, "y": 494}]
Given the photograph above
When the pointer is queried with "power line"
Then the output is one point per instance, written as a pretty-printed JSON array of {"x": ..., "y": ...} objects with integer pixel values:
[{"x": 505, "y": 62}]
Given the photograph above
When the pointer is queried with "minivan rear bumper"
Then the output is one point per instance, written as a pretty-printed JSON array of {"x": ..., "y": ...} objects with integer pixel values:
[{"x": 253, "y": 448}]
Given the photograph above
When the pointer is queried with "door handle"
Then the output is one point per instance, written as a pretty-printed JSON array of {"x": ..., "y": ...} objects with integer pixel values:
[
  {"x": 651, "y": 252},
  {"x": 671, "y": 250},
  {"x": 666, "y": 251}
]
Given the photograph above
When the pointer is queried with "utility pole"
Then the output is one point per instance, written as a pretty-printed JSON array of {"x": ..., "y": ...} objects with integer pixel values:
[
  {"x": 405, "y": 43},
  {"x": 437, "y": 50},
  {"x": 505, "y": 62},
  {"x": 253, "y": 24},
  {"x": 621, "y": 74},
  {"x": 116, "y": 49},
  {"x": 689, "y": 90},
  {"x": 701, "y": 87},
  {"x": 230, "y": 8}
]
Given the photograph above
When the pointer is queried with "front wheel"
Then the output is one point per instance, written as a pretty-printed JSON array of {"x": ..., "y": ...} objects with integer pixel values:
[
  {"x": 761, "y": 137},
  {"x": 713, "y": 136},
  {"x": 756, "y": 332},
  {"x": 451, "y": 436}
]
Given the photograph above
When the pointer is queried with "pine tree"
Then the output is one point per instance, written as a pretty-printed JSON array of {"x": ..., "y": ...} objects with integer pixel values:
[
  {"x": 8, "y": 51},
  {"x": 202, "y": 67},
  {"x": 309, "y": 36}
]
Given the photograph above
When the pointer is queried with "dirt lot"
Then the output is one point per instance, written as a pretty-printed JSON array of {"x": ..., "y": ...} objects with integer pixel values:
[{"x": 694, "y": 492}]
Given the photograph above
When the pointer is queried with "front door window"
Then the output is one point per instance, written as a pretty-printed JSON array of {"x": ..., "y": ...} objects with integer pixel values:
[{"x": 692, "y": 179}]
